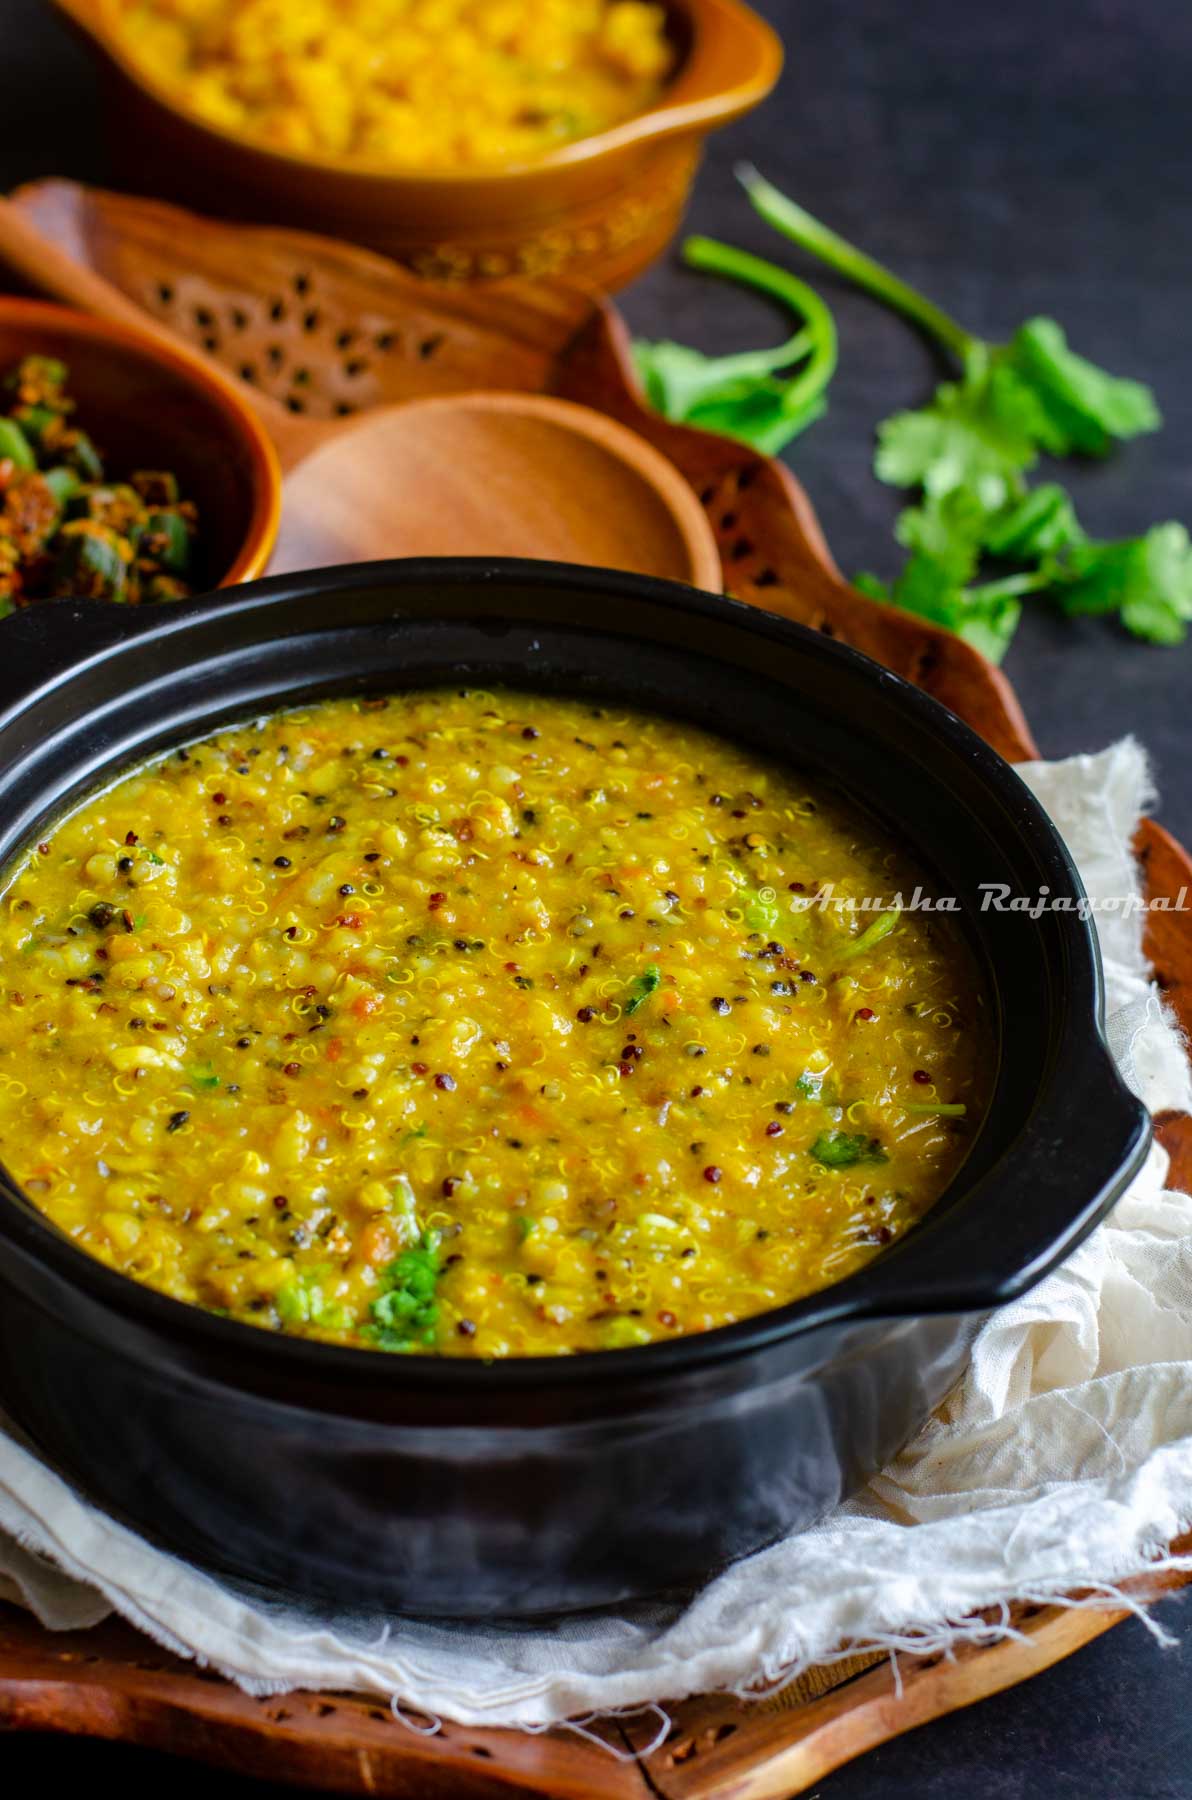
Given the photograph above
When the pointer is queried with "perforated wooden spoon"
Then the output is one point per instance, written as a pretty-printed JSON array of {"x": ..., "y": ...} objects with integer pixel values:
[{"x": 509, "y": 474}]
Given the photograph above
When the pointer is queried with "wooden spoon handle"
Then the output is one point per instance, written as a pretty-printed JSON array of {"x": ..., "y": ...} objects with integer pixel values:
[{"x": 52, "y": 272}]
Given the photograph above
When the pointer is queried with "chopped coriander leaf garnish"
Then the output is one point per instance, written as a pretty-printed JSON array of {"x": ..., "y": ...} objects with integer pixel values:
[
  {"x": 405, "y": 1312},
  {"x": 301, "y": 1301},
  {"x": 641, "y": 987},
  {"x": 844, "y": 1149},
  {"x": 623, "y": 1333},
  {"x": 202, "y": 1075}
]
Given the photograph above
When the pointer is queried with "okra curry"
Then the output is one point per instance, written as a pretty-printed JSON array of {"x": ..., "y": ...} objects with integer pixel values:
[
  {"x": 481, "y": 1024},
  {"x": 67, "y": 527}
]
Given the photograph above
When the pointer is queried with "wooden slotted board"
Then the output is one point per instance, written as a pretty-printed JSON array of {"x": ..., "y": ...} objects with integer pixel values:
[{"x": 324, "y": 328}]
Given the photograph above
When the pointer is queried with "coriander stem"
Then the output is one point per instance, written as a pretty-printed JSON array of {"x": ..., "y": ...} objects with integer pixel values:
[
  {"x": 715, "y": 258},
  {"x": 1029, "y": 582},
  {"x": 819, "y": 240}
]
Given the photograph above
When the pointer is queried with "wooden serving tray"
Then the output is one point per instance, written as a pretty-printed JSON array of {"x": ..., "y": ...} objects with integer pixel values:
[{"x": 325, "y": 328}]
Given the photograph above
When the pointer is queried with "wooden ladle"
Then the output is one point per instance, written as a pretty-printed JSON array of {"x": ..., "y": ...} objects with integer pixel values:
[{"x": 508, "y": 474}]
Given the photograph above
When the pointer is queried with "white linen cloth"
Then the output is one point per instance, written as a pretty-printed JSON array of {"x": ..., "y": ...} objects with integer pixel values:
[{"x": 1062, "y": 1461}]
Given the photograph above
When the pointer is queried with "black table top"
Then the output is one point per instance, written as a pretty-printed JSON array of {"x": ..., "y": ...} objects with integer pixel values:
[{"x": 1015, "y": 159}]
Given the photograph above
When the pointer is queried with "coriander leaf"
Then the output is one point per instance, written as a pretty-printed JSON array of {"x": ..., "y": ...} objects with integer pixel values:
[
  {"x": 1081, "y": 406},
  {"x": 937, "y": 588},
  {"x": 745, "y": 395},
  {"x": 678, "y": 379},
  {"x": 15, "y": 446},
  {"x": 1034, "y": 523},
  {"x": 934, "y": 587},
  {"x": 1148, "y": 580},
  {"x": 947, "y": 527},
  {"x": 977, "y": 434},
  {"x": 843, "y": 1149},
  {"x": 989, "y": 619},
  {"x": 759, "y": 419},
  {"x": 299, "y": 1300},
  {"x": 873, "y": 587},
  {"x": 1037, "y": 525},
  {"x": 641, "y": 987}
]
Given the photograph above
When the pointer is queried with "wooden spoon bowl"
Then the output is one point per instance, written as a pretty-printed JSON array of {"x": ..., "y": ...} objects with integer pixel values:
[
  {"x": 493, "y": 474},
  {"x": 464, "y": 475}
]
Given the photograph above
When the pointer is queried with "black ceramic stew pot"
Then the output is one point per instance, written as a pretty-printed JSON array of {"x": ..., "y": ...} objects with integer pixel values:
[{"x": 447, "y": 1486}]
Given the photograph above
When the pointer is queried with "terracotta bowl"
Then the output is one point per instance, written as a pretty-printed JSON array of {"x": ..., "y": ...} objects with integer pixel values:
[
  {"x": 597, "y": 210},
  {"x": 148, "y": 407}
]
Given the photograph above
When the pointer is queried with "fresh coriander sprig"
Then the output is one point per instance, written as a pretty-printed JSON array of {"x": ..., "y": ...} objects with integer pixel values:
[
  {"x": 789, "y": 218},
  {"x": 1014, "y": 399},
  {"x": 969, "y": 450}
]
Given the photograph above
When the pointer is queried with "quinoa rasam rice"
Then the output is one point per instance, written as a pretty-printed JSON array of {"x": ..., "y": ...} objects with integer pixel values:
[{"x": 481, "y": 1025}]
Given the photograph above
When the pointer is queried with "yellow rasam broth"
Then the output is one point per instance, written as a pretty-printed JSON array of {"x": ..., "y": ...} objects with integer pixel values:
[{"x": 491, "y": 1025}]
